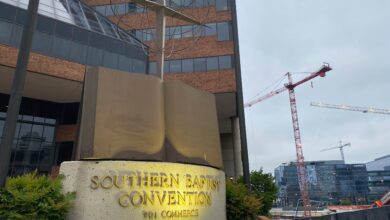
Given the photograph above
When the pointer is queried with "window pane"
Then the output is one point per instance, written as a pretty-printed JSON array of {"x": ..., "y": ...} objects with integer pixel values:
[
  {"x": 5, "y": 33},
  {"x": 166, "y": 66},
  {"x": 198, "y": 3},
  {"x": 110, "y": 60},
  {"x": 138, "y": 66},
  {"x": 37, "y": 130},
  {"x": 94, "y": 57},
  {"x": 211, "y": 29},
  {"x": 41, "y": 42},
  {"x": 60, "y": 47},
  {"x": 63, "y": 30},
  {"x": 198, "y": 30},
  {"x": 186, "y": 31},
  {"x": 175, "y": 32},
  {"x": 80, "y": 35},
  {"x": 124, "y": 63},
  {"x": 78, "y": 52},
  {"x": 212, "y": 63},
  {"x": 152, "y": 67},
  {"x": 222, "y": 5},
  {"x": 101, "y": 9},
  {"x": 7, "y": 12},
  {"x": 225, "y": 62},
  {"x": 1, "y": 128},
  {"x": 25, "y": 130},
  {"x": 200, "y": 64},
  {"x": 48, "y": 134},
  {"x": 175, "y": 66},
  {"x": 188, "y": 65},
  {"x": 45, "y": 24},
  {"x": 223, "y": 31}
]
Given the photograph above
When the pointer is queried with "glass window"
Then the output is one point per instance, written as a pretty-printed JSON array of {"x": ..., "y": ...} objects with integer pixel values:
[
  {"x": 188, "y": 65},
  {"x": 21, "y": 17},
  {"x": 80, "y": 35},
  {"x": 187, "y": 31},
  {"x": 225, "y": 62},
  {"x": 16, "y": 35},
  {"x": 101, "y": 9},
  {"x": 7, "y": 12},
  {"x": 50, "y": 121},
  {"x": 175, "y": 32},
  {"x": 223, "y": 31},
  {"x": 200, "y": 65},
  {"x": 166, "y": 66},
  {"x": 39, "y": 119},
  {"x": 37, "y": 130},
  {"x": 45, "y": 24},
  {"x": 175, "y": 66},
  {"x": 60, "y": 47},
  {"x": 132, "y": 7},
  {"x": 211, "y": 29},
  {"x": 110, "y": 60},
  {"x": 187, "y": 3},
  {"x": 198, "y": 3},
  {"x": 92, "y": 20},
  {"x": 138, "y": 66},
  {"x": 198, "y": 30},
  {"x": 5, "y": 33},
  {"x": 222, "y": 5},
  {"x": 124, "y": 63},
  {"x": 48, "y": 134},
  {"x": 25, "y": 130},
  {"x": 41, "y": 42},
  {"x": 94, "y": 57},
  {"x": 152, "y": 67},
  {"x": 64, "y": 30},
  {"x": 212, "y": 63},
  {"x": 77, "y": 52}
]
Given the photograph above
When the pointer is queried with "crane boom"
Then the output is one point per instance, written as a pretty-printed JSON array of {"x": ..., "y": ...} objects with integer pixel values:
[
  {"x": 352, "y": 108},
  {"x": 301, "y": 169},
  {"x": 341, "y": 146}
]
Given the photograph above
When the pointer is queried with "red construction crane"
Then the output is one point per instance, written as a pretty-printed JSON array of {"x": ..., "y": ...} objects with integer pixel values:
[{"x": 302, "y": 178}]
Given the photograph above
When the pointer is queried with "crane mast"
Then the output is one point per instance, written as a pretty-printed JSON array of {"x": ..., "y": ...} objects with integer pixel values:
[
  {"x": 301, "y": 169},
  {"x": 340, "y": 147}
]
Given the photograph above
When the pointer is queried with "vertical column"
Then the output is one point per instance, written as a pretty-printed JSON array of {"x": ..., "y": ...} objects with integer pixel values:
[
  {"x": 17, "y": 89},
  {"x": 238, "y": 170},
  {"x": 160, "y": 39}
]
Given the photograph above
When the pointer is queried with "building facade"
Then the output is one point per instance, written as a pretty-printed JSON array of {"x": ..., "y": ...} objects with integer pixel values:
[
  {"x": 329, "y": 182},
  {"x": 71, "y": 36},
  {"x": 378, "y": 177},
  {"x": 205, "y": 57}
]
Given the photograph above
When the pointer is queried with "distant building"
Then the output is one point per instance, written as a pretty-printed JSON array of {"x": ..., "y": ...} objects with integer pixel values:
[
  {"x": 328, "y": 181},
  {"x": 378, "y": 177},
  {"x": 381, "y": 163}
]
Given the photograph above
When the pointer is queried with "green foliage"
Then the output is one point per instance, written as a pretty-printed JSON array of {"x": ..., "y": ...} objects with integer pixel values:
[
  {"x": 240, "y": 204},
  {"x": 264, "y": 186},
  {"x": 34, "y": 197},
  {"x": 345, "y": 202}
]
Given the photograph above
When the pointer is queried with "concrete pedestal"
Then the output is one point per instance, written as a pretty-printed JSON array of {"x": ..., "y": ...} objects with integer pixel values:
[{"x": 144, "y": 190}]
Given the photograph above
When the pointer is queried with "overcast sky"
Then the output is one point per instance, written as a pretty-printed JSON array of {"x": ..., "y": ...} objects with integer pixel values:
[{"x": 298, "y": 36}]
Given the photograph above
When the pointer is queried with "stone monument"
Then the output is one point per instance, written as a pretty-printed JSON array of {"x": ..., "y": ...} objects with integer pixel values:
[{"x": 146, "y": 149}]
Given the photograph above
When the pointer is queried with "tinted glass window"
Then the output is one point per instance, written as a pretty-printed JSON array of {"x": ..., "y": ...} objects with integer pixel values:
[
  {"x": 7, "y": 12},
  {"x": 16, "y": 35},
  {"x": 94, "y": 57},
  {"x": 166, "y": 66},
  {"x": 175, "y": 32},
  {"x": 64, "y": 30},
  {"x": 41, "y": 42},
  {"x": 139, "y": 66},
  {"x": 78, "y": 52},
  {"x": 223, "y": 31},
  {"x": 5, "y": 33},
  {"x": 152, "y": 67},
  {"x": 198, "y": 31},
  {"x": 124, "y": 63},
  {"x": 61, "y": 47},
  {"x": 101, "y": 9},
  {"x": 175, "y": 66},
  {"x": 80, "y": 35},
  {"x": 21, "y": 16},
  {"x": 222, "y": 5},
  {"x": 45, "y": 24},
  {"x": 188, "y": 65},
  {"x": 186, "y": 31},
  {"x": 212, "y": 63},
  {"x": 211, "y": 29},
  {"x": 200, "y": 65},
  {"x": 225, "y": 62},
  {"x": 110, "y": 60}
]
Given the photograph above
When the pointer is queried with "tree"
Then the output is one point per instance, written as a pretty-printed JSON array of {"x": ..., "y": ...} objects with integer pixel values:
[{"x": 264, "y": 186}]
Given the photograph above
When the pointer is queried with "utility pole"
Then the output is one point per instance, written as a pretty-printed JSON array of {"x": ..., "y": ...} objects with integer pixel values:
[{"x": 17, "y": 89}]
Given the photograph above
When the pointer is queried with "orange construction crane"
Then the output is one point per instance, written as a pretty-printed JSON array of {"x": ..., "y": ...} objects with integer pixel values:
[{"x": 302, "y": 178}]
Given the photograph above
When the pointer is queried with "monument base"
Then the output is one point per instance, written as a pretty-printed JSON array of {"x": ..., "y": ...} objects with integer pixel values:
[{"x": 144, "y": 190}]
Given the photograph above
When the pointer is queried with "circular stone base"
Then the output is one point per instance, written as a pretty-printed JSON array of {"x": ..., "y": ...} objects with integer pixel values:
[{"x": 144, "y": 190}]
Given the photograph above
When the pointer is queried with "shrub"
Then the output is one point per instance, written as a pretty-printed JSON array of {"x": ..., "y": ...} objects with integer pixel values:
[
  {"x": 34, "y": 197},
  {"x": 240, "y": 204}
]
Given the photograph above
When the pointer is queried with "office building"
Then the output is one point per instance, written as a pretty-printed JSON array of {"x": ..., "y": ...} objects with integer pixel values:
[
  {"x": 71, "y": 36},
  {"x": 378, "y": 177},
  {"x": 330, "y": 182}
]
